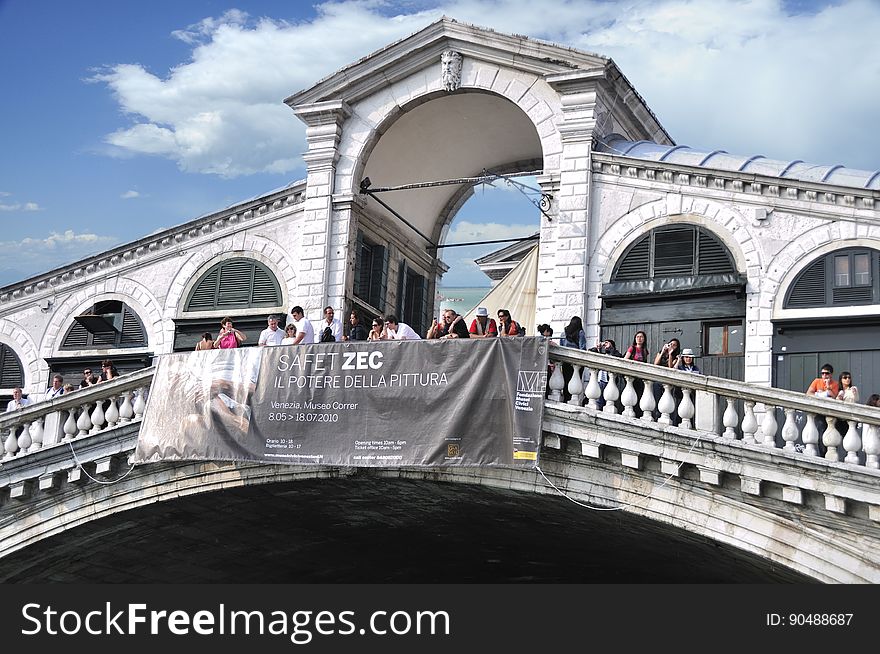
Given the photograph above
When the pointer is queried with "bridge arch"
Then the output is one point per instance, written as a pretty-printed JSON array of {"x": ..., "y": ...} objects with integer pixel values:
[{"x": 495, "y": 498}]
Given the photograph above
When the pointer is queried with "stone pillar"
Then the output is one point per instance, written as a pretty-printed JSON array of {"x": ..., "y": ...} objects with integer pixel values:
[
  {"x": 320, "y": 278},
  {"x": 562, "y": 267}
]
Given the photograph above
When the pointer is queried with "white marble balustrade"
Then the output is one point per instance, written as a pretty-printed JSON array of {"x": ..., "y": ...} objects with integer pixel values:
[
  {"x": 770, "y": 417},
  {"x": 75, "y": 415}
]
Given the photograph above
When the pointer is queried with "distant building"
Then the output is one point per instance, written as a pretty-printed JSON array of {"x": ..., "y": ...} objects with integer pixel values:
[{"x": 497, "y": 264}]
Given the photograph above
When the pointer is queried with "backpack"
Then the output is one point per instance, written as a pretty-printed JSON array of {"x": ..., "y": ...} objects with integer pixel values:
[
  {"x": 327, "y": 336},
  {"x": 520, "y": 329}
]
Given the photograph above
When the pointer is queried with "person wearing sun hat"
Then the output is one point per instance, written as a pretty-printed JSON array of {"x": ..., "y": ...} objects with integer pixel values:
[
  {"x": 483, "y": 326},
  {"x": 687, "y": 361}
]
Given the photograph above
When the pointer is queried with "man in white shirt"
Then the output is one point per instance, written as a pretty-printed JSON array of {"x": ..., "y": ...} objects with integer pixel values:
[
  {"x": 334, "y": 324},
  {"x": 304, "y": 331},
  {"x": 17, "y": 401},
  {"x": 57, "y": 387},
  {"x": 271, "y": 335},
  {"x": 399, "y": 331}
]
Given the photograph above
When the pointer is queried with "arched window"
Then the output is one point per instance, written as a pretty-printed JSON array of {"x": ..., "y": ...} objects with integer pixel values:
[
  {"x": 235, "y": 284},
  {"x": 674, "y": 251},
  {"x": 107, "y": 324},
  {"x": 11, "y": 372},
  {"x": 841, "y": 278}
]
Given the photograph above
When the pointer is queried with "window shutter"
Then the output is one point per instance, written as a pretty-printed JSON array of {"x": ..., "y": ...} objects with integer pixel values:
[
  {"x": 379, "y": 277},
  {"x": 809, "y": 289},
  {"x": 674, "y": 252},
  {"x": 132, "y": 329},
  {"x": 852, "y": 295},
  {"x": 236, "y": 281},
  {"x": 235, "y": 284},
  {"x": 636, "y": 263},
  {"x": 77, "y": 337},
  {"x": 11, "y": 372},
  {"x": 203, "y": 297},
  {"x": 713, "y": 256},
  {"x": 266, "y": 291}
]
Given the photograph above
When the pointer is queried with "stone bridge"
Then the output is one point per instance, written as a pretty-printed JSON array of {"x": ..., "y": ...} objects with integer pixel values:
[{"x": 716, "y": 481}]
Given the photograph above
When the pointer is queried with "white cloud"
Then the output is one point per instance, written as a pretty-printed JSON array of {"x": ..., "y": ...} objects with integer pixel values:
[
  {"x": 29, "y": 256},
  {"x": 130, "y": 195},
  {"x": 4, "y": 194},
  {"x": 222, "y": 112},
  {"x": 18, "y": 206},
  {"x": 738, "y": 74}
]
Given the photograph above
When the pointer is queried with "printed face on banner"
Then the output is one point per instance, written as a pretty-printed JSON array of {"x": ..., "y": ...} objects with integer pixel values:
[{"x": 416, "y": 403}]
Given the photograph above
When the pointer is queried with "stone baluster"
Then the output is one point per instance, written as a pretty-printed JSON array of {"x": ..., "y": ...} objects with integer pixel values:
[
  {"x": 832, "y": 438},
  {"x": 593, "y": 391},
  {"x": 11, "y": 443},
  {"x": 629, "y": 398},
  {"x": 789, "y": 430},
  {"x": 112, "y": 413},
  {"x": 70, "y": 425},
  {"x": 611, "y": 394},
  {"x": 666, "y": 404},
  {"x": 97, "y": 417},
  {"x": 686, "y": 409},
  {"x": 140, "y": 404},
  {"x": 852, "y": 443},
  {"x": 36, "y": 434},
  {"x": 749, "y": 423},
  {"x": 576, "y": 387},
  {"x": 557, "y": 383},
  {"x": 84, "y": 423},
  {"x": 872, "y": 446},
  {"x": 24, "y": 438},
  {"x": 768, "y": 426},
  {"x": 647, "y": 403},
  {"x": 730, "y": 419},
  {"x": 810, "y": 436},
  {"x": 126, "y": 410}
]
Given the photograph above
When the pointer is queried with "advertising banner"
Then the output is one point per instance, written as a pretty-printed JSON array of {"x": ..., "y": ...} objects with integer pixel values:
[{"x": 387, "y": 403}]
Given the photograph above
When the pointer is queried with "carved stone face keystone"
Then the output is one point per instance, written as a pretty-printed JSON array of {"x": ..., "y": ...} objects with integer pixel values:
[{"x": 450, "y": 68}]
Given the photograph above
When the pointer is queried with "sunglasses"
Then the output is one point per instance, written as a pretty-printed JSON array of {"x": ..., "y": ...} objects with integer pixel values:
[
  {"x": 825, "y": 372},
  {"x": 845, "y": 377},
  {"x": 291, "y": 328},
  {"x": 87, "y": 372}
]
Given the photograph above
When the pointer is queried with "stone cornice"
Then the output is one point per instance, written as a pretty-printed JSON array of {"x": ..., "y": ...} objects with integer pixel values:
[
  {"x": 829, "y": 199},
  {"x": 416, "y": 51},
  {"x": 151, "y": 247}
]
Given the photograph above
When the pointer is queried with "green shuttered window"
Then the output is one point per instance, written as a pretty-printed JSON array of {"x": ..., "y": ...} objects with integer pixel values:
[{"x": 235, "y": 284}]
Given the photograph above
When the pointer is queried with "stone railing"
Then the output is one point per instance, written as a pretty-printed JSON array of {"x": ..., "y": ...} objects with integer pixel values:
[
  {"x": 75, "y": 415},
  {"x": 771, "y": 417}
]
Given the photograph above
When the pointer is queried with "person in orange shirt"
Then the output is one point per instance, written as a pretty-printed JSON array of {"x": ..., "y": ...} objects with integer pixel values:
[{"x": 825, "y": 385}]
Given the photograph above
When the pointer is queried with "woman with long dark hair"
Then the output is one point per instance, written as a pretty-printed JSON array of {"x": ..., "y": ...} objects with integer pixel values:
[
  {"x": 848, "y": 392},
  {"x": 574, "y": 335},
  {"x": 668, "y": 354},
  {"x": 638, "y": 351}
]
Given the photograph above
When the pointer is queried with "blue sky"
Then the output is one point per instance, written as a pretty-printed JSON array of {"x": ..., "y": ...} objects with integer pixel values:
[{"x": 119, "y": 119}]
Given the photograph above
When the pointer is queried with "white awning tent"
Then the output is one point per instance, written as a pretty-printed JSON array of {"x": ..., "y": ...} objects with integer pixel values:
[{"x": 516, "y": 293}]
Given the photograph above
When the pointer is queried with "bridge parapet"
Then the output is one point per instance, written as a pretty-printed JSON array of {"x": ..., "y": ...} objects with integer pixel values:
[
  {"x": 70, "y": 418},
  {"x": 756, "y": 448},
  {"x": 703, "y": 403}
]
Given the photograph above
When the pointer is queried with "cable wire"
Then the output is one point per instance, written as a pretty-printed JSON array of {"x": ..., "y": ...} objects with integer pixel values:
[
  {"x": 621, "y": 507},
  {"x": 97, "y": 481}
]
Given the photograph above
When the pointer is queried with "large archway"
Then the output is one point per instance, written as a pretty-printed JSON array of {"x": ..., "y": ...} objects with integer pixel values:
[
  {"x": 370, "y": 529},
  {"x": 431, "y": 141}
]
